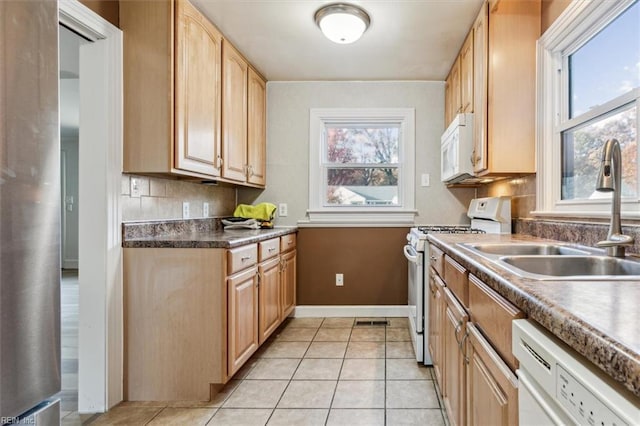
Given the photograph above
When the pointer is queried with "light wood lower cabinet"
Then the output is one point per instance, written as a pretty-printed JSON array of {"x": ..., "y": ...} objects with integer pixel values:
[
  {"x": 175, "y": 315},
  {"x": 288, "y": 282},
  {"x": 269, "y": 297},
  {"x": 243, "y": 317},
  {"x": 436, "y": 309},
  {"x": 193, "y": 317},
  {"x": 492, "y": 388},
  {"x": 470, "y": 347},
  {"x": 454, "y": 328}
]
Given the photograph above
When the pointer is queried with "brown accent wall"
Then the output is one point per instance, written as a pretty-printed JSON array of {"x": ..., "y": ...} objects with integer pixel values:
[
  {"x": 551, "y": 9},
  {"x": 108, "y": 9},
  {"x": 371, "y": 259}
]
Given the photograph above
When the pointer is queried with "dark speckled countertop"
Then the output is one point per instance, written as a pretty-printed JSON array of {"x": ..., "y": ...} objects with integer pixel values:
[
  {"x": 201, "y": 233},
  {"x": 599, "y": 319}
]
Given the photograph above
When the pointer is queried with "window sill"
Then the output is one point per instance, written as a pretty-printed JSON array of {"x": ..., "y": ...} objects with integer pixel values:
[
  {"x": 584, "y": 214},
  {"x": 377, "y": 218}
]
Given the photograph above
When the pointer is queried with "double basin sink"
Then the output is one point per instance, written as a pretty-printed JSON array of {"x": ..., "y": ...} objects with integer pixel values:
[{"x": 548, "y": 261}]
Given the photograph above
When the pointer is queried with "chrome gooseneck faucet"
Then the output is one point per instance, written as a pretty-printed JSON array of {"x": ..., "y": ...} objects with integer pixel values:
[{"x": 609, "y": 180}]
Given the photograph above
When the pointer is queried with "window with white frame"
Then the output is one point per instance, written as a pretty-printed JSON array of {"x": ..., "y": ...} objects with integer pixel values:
[
  {"x": 361, "y": 165},
  {"x": 589, "y": 92}
]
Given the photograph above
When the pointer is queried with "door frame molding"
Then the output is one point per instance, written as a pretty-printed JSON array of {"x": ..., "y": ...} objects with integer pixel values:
[{"x": 100, "y": 369}]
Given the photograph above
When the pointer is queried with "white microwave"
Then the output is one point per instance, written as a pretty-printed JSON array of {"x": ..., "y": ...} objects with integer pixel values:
[{"x": 456, "y": 146}]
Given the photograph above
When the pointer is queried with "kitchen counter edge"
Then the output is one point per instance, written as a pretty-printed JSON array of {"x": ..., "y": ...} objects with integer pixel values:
[
  {"x": 211, "y": 239},
  {"x": 614, "y": 357}
]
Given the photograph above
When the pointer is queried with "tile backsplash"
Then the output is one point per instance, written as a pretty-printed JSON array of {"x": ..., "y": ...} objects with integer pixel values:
[
  {"x": 522, "y": 191},
  {"x": 159, "y": 198}
]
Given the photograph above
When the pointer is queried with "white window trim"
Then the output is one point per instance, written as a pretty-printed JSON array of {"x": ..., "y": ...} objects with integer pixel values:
[
  {"x": 580, "y": 21},
  {"x": 367, "y": 216}
]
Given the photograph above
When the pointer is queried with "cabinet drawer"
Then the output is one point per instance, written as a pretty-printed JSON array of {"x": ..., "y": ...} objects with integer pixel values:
[
  {"x": 241, "y": 257},
  {"x": 493, "y": 315},
  {"x": 456, "y": 278},
  {"x": 268, "y": 249},
  {"x": 287, "y": 242},
  {"x": 436, "y": 257}
]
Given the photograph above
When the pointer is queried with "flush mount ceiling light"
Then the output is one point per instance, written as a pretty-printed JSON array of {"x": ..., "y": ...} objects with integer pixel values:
[{"x": 342, "y": 23}]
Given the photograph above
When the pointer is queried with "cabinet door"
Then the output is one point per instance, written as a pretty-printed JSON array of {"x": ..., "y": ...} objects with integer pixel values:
[
  {"x": 197, "y": 90},
  {"x": 269, "y": 297},
  {"x": 455, "y": 320},
  {"x": 466, "y": 74},
  {"x": 234, "y": 113},
  {"x": 242, "y": 317},
  {"x": 452, "y": 93},
  {"x": 436, "y": 313},
  {"x": 256, "y": 130},
  {"x": 288, "y": 283},
  {"x": 480, "y": 94},
  {"x": 492, "y": 392}
]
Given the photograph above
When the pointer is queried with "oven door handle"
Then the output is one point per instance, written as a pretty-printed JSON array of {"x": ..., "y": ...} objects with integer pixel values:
[{"x": 411, "y": 254}]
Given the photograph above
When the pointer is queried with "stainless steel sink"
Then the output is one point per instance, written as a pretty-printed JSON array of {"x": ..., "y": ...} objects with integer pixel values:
[
  {"x": 569, "y": 267},
  {"x": 518, "y": 249}
]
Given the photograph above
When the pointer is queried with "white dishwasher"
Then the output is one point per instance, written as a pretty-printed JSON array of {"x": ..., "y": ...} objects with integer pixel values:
[{"x": 558, "y": 386}]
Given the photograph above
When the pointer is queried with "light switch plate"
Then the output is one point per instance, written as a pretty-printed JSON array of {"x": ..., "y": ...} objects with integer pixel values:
[
  {"x": 135, "y": 188},
  {"x": 425, "y": 179}
]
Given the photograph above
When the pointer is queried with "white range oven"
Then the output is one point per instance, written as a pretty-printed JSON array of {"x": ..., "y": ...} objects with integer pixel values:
[{"x": 489, "y": 215}]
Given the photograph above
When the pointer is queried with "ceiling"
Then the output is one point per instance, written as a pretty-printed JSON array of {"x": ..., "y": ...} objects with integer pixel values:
[{"x": 407, "y": 39}]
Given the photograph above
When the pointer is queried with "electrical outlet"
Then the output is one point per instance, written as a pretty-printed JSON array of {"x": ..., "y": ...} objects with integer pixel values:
[
  {"x": 425, "y": 179},
  {"x": 339, "y": 280},
  {"x": 283, "y": 209},
  {"x": 185, "y": 210},
  {"x": 135, "y": 188},
  {"x": 205, "y": 210}
]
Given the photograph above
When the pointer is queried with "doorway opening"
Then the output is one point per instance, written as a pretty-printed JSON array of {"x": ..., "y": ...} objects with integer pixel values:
[{"x": 69, "y": 105}]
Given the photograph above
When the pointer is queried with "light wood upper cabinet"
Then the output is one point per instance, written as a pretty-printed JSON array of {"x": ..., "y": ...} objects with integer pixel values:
[
  {"x": 198, "y": 53},
  {"x": 496, "y": 69},
  {"x": 187, "y": 97},
  {"x": 480, "y": 83},
  {"x": 453, "y": 100},
  {"x": 235, "y": 71},
  {"x": 466, "y": 74},
  {"x": 257, "y": 129},
  {"x": 509, "y": 58},
  {"x": 243, "y": 119}
]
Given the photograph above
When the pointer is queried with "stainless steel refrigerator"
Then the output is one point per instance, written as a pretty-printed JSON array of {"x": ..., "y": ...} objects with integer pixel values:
[{"x": 29, "y": 213}]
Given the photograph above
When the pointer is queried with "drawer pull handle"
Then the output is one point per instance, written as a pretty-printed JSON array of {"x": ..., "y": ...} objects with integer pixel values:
[
  {"x": 433, "y": 258},
  {"x": 271, "y": 249},
  {"x": 243, "y": 258}
]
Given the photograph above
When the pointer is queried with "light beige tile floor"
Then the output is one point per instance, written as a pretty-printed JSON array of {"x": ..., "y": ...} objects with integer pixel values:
[{"x": 312, "y": 371}]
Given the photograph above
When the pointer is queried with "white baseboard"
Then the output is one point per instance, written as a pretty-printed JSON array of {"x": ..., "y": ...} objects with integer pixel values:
[{"x": 351, "y": 311}]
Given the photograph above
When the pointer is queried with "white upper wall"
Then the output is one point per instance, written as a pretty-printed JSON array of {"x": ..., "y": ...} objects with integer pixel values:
[{"x": 288, "y": 105}]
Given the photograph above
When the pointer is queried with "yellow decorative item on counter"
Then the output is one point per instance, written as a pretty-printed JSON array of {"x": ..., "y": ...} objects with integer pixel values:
[{"x": 262, "y": 211}]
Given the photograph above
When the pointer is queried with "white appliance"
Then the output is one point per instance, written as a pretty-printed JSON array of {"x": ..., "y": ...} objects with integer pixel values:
[
  {"x": 456, "y": 146},
  {"x": 416, "y": 250},
  {"x": 493, "y": 214},
  {"x": 557, "y": 386}
]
